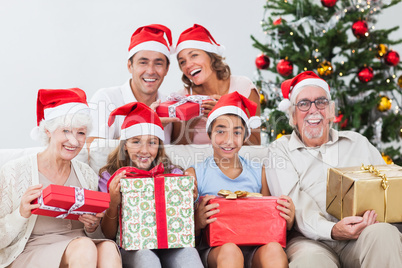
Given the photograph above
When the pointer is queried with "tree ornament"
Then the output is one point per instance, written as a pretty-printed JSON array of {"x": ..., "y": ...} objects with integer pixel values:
[
  {"x": 400, "y": 81},
  {"x": 365, "y": 74},
  {"x": 262, "y": 62},
  {"x": 384, "y": 104},
  {"x": 328, "y": 3},
  {"x": 400, "y": 132},
  {"x": 391, "y": 58},
  {"x": 280, "y": 134},
  {"x": 381, "y": 51},
  {"x": 263, "y": 99},
  {"x": 360, "y": 28},
  {"x": 387, "y": 159},
  {"x": 325, "y": 68},
  {"x": 278, "y": 21},
  {"x": 284, "y": 67},
  {"x": 338, "y": 119}
]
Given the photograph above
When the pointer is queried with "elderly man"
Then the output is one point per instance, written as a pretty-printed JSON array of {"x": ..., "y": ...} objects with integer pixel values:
[
  {"x": 298, "y": 168},
  {"x": 148, "y": 63}
]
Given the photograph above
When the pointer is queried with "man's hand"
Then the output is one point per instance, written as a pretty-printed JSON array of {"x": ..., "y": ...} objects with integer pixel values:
[
  {"x": 350, "y": 228},
  {"x": 165, "y": 120}
]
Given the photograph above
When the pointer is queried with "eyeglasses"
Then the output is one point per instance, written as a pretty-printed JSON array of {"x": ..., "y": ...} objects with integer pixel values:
[{"x": 305, "y": 105}]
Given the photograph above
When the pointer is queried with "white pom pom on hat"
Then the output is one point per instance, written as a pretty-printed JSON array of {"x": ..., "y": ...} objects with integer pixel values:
[
  {"x": 237, "y": 104},
  {"x": 198, "y": 37},
  {"x": 293, "y": 86},
  {"x": 35, "y": 133}
]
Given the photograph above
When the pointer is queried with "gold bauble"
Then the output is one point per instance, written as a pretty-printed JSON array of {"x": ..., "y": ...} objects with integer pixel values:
[
  {"x": 400, "y": 81},
  {"x": 387, "y": 159},
  {"x": 381, "y": 50},
  {"x": 325, "y": 68},
  {"x": 280, "y": 134},
  {"x": 262, "y": 99},
  {"x": 400, "y": 133},
  {"x": 384, "y": 104}
]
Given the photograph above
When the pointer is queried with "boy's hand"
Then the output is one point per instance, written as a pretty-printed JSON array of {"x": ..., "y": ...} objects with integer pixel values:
[
  {"x": 204, "y": 212},
  {"x": 286, "y": 210}
]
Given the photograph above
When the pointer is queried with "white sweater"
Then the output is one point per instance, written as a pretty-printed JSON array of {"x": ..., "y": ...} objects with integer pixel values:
[{"x": 15, "y": 178}]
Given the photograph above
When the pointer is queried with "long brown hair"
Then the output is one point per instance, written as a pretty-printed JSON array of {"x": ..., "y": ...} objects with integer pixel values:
[
  {"x": 218, "y": 65},
  {"x": 119, "y": 158}
]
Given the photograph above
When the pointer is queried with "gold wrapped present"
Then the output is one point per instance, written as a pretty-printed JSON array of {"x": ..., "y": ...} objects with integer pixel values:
[{"x": 352, "y": 191}]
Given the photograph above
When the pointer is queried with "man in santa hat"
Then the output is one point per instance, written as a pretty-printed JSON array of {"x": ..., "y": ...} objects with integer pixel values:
[
  {"x": 148, "y": 63},
  {"x": 298, "y": 168}
]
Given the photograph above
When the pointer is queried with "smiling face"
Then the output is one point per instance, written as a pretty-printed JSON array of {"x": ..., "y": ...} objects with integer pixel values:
[
  {"x": 227, "y": 136},
  {"x": 313, "y": 125},
  {"x": 142, "y": 150},
  {"x": 195, "y": 65},
  {"x": 148, "y": 69},
  {"x": 67, "y": 142}
]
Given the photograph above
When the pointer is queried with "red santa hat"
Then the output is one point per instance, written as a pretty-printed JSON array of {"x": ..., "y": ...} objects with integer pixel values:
[
  {"x": 292, "y": 87},
  {"x": 237, "y": 104},
  {"x": 52, "y": 103},
  {"x": 198, "y": 37},
  {"x": 154, "y": 37},
  {"x": 140, "y": 120}
]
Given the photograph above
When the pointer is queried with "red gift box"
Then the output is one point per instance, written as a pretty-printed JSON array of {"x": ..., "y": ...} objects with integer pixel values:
[
  {"x": 246, "y": 222},
  {"x": 57, "y": 200},
  {"x": 182, "y": 107}
]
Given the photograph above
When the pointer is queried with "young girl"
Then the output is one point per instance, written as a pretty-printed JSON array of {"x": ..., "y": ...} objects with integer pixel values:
[
  {"x": 228, "y": 126},
  {"x": 141, "y": 146}
]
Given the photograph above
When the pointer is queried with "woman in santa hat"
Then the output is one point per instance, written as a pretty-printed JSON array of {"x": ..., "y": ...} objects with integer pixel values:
[
  {"x": 201, "y": 60},
  {"x": 28, "y": 240},
  {"x": 141, "y": 146}
]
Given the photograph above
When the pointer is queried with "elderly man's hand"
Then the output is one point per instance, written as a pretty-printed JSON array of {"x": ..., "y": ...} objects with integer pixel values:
[{"x": 350, "y": 228}]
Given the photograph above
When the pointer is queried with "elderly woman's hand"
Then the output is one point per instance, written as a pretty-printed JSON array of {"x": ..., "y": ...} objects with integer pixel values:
[
  {"x": 91, "y": 222},
  {"x": 30, "y": 195}
]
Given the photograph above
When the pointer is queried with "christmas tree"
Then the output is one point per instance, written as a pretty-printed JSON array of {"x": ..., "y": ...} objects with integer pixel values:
[{"x": 338, "y": 40}]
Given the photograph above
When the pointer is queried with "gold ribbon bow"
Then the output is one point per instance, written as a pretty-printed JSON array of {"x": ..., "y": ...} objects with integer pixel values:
[
  {"x": 384, "y": 184},
  {"x": 237, "y": 194}
]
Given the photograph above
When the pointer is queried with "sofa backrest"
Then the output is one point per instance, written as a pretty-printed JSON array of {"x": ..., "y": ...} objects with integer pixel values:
[{"x": 182, "y": 155}]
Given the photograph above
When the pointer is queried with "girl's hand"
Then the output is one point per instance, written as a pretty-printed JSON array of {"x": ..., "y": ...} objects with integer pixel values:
[
  {"x": 114, "y": 189},
  {"x": 287, "y": 210},
  {"x": 31, "y": 194},
  {"x": 91, "y": 222},
  {"x": 204, "y": 212},
  {"x": 208, "y": 105}
]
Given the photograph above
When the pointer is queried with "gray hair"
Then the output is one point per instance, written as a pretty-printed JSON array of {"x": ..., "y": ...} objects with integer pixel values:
[
  {"x": 77, "y": 120},
  {"x": 292, "y": 109}
]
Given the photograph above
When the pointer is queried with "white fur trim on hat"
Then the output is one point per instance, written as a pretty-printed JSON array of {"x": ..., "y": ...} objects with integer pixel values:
[
  {"x": 284, "y": 105},
  {"x": 309, "y": 82},
  {"x": 142, "y": 129},
  {"x": 150, "y": 45},
  {"x": 64, "y": 109},
  {"x": 230, "y": 110},
  {"x": 200, "y": 45}
]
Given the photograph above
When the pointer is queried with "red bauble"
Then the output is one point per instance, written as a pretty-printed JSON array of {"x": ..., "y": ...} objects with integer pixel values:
[
  {"x": 338, "y": 119},
  {"x": 284, "y": 67},
  {"x": 328, "y": 3},
  {"x": 365, "y": 74},
  {"x": 391, "y": 58},
  {"x": 278, "y": 21},
  {"x": 262, "y": 62},
  {"x": 360, "y": 28}
]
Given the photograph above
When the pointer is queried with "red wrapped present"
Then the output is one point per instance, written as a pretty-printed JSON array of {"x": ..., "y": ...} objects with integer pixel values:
[
  {"x": 247, "y": 221},
  {"x": 182, "y": 107},
  {"x": 70, "y": 202}
]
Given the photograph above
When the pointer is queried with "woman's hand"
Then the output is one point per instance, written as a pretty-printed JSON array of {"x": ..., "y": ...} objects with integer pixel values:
[
  {"x": 208, "y": 105},
  {"x": 114, "y": 189},
  {"x": 204, "y": 212},
  {"x": 91, "y": 222},
  {"x": 287, "y": 210},
  {"x": 30, "y": 195}
]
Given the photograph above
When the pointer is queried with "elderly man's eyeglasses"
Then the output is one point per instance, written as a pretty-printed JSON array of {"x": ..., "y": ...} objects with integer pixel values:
[{"x": 305, "y": 105}]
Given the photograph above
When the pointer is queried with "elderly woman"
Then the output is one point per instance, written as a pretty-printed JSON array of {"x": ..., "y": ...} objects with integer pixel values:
[
  {"x": 205, "y": 73},
  {"x": 28, "y": 240}
]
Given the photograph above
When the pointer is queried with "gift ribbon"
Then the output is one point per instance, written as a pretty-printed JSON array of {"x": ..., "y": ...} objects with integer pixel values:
[
  {"x": 79, "y": 202},
  {"x": 384, "y": 184},
  {"x": 160, "y": 200},
  {"x": 183, "y": 99}
]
